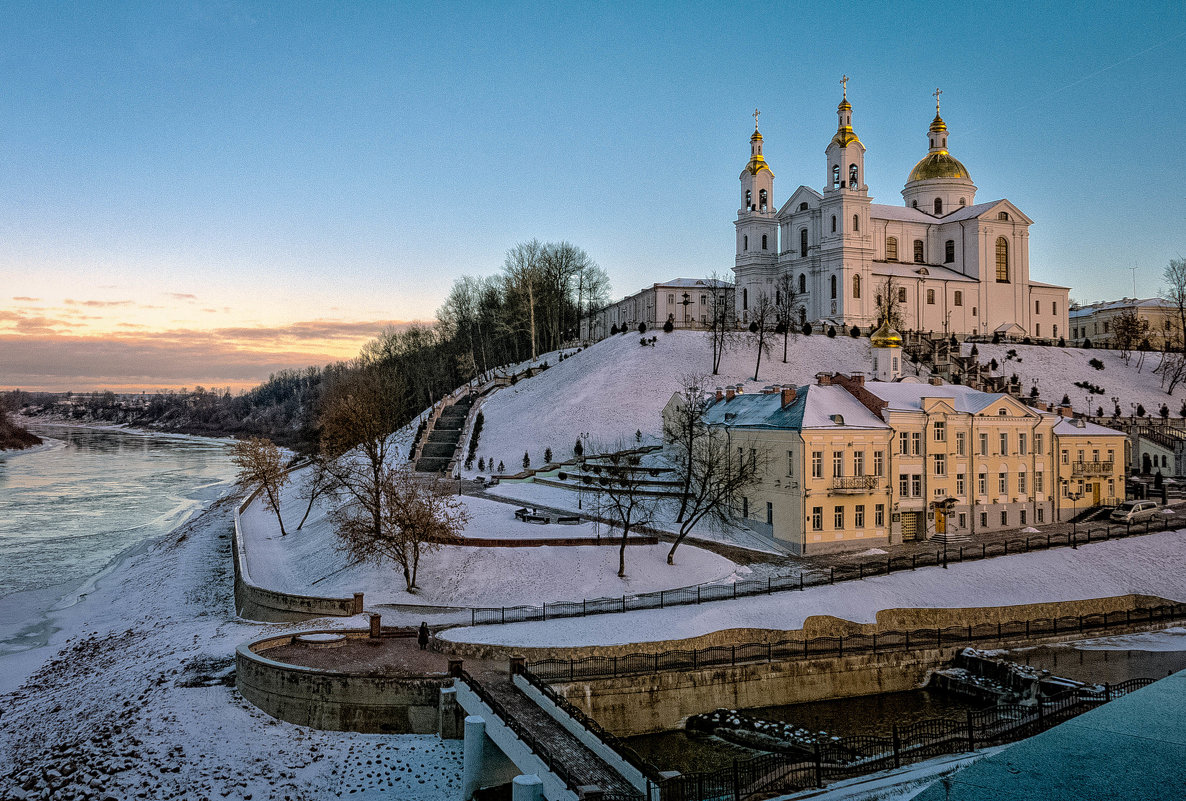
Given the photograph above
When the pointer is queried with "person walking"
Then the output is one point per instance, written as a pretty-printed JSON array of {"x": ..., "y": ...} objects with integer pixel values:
[{"x": 422, "y": 635}]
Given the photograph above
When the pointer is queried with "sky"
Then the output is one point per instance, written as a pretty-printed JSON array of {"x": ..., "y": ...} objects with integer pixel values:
[{"x": 204, "y": 193}]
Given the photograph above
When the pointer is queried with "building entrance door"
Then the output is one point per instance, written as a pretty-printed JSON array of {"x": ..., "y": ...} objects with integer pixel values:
[
  {"x": 1095, "y": 493},
  {"x": 910, "y": 525}
]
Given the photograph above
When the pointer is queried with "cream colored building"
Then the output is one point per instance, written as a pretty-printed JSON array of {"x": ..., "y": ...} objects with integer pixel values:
[
  {"x": 1091, "y": 465},
  {"x": 1097, "y": 322},
  {"x": 686, "y": 302}
]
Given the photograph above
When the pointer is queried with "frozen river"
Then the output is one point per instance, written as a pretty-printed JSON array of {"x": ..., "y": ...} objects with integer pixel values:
[{"x": 68, "y": 510}]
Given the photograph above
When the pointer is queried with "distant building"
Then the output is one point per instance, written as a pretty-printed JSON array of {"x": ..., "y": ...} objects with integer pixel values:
[
  {"x": 1097, "y": 322},
  {"x": 686, "y": 302},
  {"x": 954, "y": 265}
]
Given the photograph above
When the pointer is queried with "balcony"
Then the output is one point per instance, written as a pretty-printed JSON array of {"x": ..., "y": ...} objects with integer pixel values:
[
  {"x": 853, "y": 484},
  {"x": 1091, "y": 469}
]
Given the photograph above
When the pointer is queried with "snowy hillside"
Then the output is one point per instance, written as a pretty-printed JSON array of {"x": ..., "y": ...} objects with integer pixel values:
[
  {"x": 617, "y": 387},
  {"x": 1057, "y": 369}
]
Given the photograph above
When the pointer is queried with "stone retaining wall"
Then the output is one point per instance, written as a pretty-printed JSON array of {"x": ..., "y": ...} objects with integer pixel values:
[{"x": 336, "y": 701}]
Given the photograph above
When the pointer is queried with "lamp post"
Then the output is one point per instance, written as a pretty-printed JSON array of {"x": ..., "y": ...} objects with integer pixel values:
[
  {"x": 686, "y": 301},
  {"x": 584, "y": 437},
  {"x": 1074, "y": 496}
]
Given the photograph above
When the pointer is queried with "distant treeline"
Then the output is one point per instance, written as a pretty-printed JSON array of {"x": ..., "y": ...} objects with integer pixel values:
[{"x": 532, "y": 306}]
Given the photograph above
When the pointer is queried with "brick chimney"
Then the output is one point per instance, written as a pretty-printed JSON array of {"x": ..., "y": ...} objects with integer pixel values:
[
  {"x": 824, "y": 379},
  {"x": 720, "y": 394},
  {"x": 729, "y": 393},
  {"x": 788, "y": 395},
  {"x": 1065, "y": 410},
  {"x": 857, "y": 379},
  {"x": 935, "y": 381}
]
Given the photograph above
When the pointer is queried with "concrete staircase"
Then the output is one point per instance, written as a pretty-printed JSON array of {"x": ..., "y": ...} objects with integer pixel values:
[{"x": 442, "y": 437}]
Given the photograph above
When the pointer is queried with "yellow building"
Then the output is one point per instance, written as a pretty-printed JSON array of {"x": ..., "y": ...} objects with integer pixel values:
[{"x": 1091, "y": 460}]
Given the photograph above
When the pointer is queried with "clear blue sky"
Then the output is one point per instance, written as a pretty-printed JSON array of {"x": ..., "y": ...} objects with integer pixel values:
[{"x": 243, "y": 167}]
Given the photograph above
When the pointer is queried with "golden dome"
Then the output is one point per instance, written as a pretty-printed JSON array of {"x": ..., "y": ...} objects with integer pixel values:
[
  {"x": 939, "y": 164},
  {"x": 937, "y": 124},
  {"x": 844, "y": 105},
  {"x": 885, "y": 337},
  {"x": 756, "y": 137},
  {"x": 757, "y": 164},
  {"x": 845, "y": 137}
]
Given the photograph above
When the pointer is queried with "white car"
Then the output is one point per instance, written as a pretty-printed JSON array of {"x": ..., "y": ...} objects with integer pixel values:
[{"x": 1134, "y": 512}]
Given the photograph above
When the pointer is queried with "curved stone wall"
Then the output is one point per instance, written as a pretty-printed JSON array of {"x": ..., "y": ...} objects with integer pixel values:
[{"x": 335, "y": 701}]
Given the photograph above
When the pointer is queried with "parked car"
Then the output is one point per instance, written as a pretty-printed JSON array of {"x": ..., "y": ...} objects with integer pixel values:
[{"x": 1134, "y": 512}]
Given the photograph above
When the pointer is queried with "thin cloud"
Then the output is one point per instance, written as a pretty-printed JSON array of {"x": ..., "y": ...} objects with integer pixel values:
[
  {"x": 99, "y": 304},
  {"x": 181, "y": 296},
  {"x": 27, "y": 299}
]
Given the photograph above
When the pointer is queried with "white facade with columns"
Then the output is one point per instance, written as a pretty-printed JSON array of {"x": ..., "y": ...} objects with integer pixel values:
[{"x": 955, "y": 265}]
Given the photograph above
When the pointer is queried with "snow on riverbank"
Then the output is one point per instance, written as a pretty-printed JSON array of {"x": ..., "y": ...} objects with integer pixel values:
[
  {"x": 1152, "y": 565},
  {"x": 308, "y": 562},
  {"x": 131, "y": 698}
]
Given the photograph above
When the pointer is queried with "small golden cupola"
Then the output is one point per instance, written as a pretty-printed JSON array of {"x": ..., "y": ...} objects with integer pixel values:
[
  {"x": 885, "y": 337},
  {"x": 757, "y": 179},
  {"x": 846, "y": 152},
  {"x": 939, "y": 183},
  {"x": 885, "y": 345}
]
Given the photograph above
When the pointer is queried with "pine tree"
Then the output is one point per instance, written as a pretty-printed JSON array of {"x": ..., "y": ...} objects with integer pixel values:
[
  {"x": 547, "y": 455},
  {"x": 502, "y": 468},
  {"x": 578, "y": 450},
  {"x": 526, "y": 460}
]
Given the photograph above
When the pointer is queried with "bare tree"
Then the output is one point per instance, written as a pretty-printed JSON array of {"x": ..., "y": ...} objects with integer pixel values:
[
  {"x": 523, "y": 268},
  {"x": 260, "y": 462},
  {"x": 719, "y": 478},
  {"x": 788, "y": 304},
  {"x": 683, "y": 426},
  {"x": 319, "y": 482},
  {"x": 1129, "y": 329},
  {"x": 722, "y": 332},
  {"x": 763, "y": 312},
  {"x": 889, "y": 307},
  {"x": 1175, "y": 293},
  {"x": 417, "y": 516},
  {"x": 1172, "y": 369},
  {"x": 623, "y": 496}
]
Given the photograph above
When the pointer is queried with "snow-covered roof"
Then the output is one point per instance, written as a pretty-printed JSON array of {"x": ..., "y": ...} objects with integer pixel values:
[
  {"x": 1066, "y": 427},
  {"x": 908, "y": 397},
  {"x": 881, "y": 211},
  {"x": 814, "y": 407},
  {"x": 692, "y": 282},
  {"x": 910, "y": 270},
  {"x": 1123, "y": 303},
  {"x": 1044, "y": 285},
  {"x": 969, "y": 212}
]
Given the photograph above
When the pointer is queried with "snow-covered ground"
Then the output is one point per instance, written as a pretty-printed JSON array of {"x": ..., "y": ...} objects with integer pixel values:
[
  {"x": 130, "y": 698},
  {"x": 617, "y": 387},
  {"x": 308, "y": 562},
  {"x": 1057, "y": 369},
  {"x": 1152, "y": 565}
]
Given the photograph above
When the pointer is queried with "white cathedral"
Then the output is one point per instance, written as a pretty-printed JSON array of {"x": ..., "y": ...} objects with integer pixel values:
[{"x": 955, "y": 265}]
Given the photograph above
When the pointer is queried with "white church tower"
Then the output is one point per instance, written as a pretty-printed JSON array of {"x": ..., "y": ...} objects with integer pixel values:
[
  {"x": 886, "y": 346},
  {"x": 846, "y": 241},
  {"x": 757, "y": 229},
  {"x": 939, "y": 184}
]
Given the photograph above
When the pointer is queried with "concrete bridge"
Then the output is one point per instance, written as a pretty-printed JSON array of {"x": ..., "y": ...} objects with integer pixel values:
[{"x": 515, "y": 731}]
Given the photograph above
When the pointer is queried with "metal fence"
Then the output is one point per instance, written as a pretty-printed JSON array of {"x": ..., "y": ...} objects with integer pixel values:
[
  {"x": 702, "y": 593},
  {"x": 603, "y": 667}
]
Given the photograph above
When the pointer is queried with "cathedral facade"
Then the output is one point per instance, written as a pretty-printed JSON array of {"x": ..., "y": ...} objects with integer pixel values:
[{"x": 949, "y": 264}]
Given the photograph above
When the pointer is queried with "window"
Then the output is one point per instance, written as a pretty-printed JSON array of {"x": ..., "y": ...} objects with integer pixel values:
[
  {"x": 904, "y": 485},
  {"x": 963, "y": 201},
  {"x": 817, "y": 464},
  {"x": 1066, "y": 456},
  {"x": 1002, "y": 483},
  {"x": 802, "y": 207},
  {"x": 790, "y": 463},
  {"x": 833, "y": 223},
  {"x": 1037, "y": 329},
  {"x": 745, "y": 243},
  {"x": 1054, "y": 310},
  {"x": 838, "y": 517},
  {"x": 879, "y": 515},
  {"x": 1039, "y": 481},
  {"x": 670, "y": 299},
  {"x": 835, "y": 177},
  {"x": 762, "y": 199},
  {"x": 918, "y": 253},
  {"x": 1004, "y": 517},
  {"x": 915, "y": 443},
  {"x": 940, "y": 429},
  {"x": 959, "y": 484},
  {"x": 930, "y": 297},
  {"x": 856, "y": 286},
  {"x": 901, "y": 294},
  {"x": 856, "y": 223},
  {"x": 1002, "y": 260},
  {"x": 914, "y": 204},
  {"x": 749, "y": 199},
  {"x": 949, "y": 251},
  {"x": 802, "y": 283},
  {"x": 1003, "y": 215},
  {"x": 983, "y": 444},
  {"x": 1004, "y": 442},
  {"x": 878, "y": 463},
  {"x": 704, "y": 300},
  {"x": 802, "y": 241},
  {"x": 891, "y": 248},
  {"x": 982, "y": 484},
  {"x": 858, "y": 516},
  {"x": 963, "y": 518},
  {"x": 858, "y": 463},
  {"x": 852, "y": 176},
  {"x": 832, "y": 281},
  {"x": 817, "y": 518},
  {"x": 837, "y": 463},
  {"x": 763, "y": 241},
  {"x": 745, "y": 298},
  {"x": 1038, "y": 438},
  {"x": 984, "y": 519},
  {"x": 1021, "y": 443},
  {"x": 1021, "y": 483},
  {"x": 940, "y": 464},
  {"x": 960, "y": 443},
  {"x": 1037, "y": 307},
  {"x": 916, "y": 486},
  {"x": 1041, "y": 513},
  {"x": 938, "y": 206}
]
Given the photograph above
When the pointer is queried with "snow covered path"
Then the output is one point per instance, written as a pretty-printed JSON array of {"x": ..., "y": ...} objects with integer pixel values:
[
  {"x": 134, "y": 699},
  {"x": 1152, "y": 565}
]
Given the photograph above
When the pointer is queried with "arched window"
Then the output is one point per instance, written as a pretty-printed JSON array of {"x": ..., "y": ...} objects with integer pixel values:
[
  {"x": 745, "y": 243},
  {"x": 891, "y": 248},
  {"x": 949, "y": 251},
  {"x": 938, "y": 206},
  {"x": 763, "y": 241},
  {"x": 762, "y": 199},
  {"x": 1002, "y": 260},
  {"x": 749, "y": 199},
  {"x": 1003, "y": 215},
  {"x": 901, "y": 294},
  {"x": 835, "y": 176},
  {"x": 852, "y": 176},
  {"x": 832, "y": 280},
  {"x": 918, "y": 254},
  {"x": 856, "y": 286},
  {"x": 856, "y": 223},
  {"x": 914, "y": 204},
  {"x": 744, "y": 298},
  {"x": 802, "y": 284},
  {"x": 963, "y": 201},
  {"x": 802, "y": 207},
  {"x": 833, "y": 223},
  {"x": 802, "y": 241}
]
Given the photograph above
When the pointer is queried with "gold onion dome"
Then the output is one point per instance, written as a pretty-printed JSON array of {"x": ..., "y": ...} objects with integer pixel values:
[
  {"x": 845, "y": 136},
  {"x": 938, "y": 125},
  {"x": 939, "y": 164},
  {"x": 885, "y": 337}
]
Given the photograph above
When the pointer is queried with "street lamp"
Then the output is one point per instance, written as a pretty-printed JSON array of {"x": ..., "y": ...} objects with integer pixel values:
[
  {"x": 1074, "y": 496},
  {"x": 584, "y": 437},
  {"x": 686, "y": 301}
]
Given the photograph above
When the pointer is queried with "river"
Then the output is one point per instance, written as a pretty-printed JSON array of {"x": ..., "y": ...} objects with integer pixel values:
[{"x": 67, "y": 511}]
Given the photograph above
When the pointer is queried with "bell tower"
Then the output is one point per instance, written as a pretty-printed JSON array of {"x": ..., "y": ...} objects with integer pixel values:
[{"x": 757, "y": 228}]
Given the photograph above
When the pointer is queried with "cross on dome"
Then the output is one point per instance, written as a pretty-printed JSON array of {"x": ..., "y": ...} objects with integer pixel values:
[
  {"x": 844, "y": 84},
  {"x": 935, "y": 95},
  {"x": 755, "y": 116}
]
